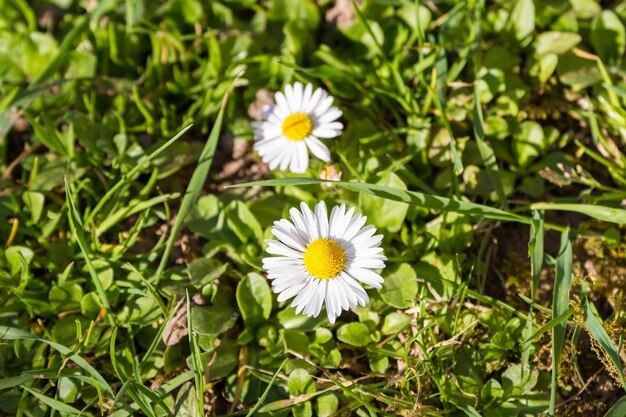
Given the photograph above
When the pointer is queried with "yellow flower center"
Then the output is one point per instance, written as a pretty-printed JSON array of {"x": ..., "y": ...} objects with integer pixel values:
[
  {"x": 297, "y": 126},
  {"x": 324, "y": 258}
]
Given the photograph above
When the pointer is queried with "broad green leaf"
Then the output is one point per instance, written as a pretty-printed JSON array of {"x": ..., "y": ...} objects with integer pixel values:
[
  {"x": 16, "y": 255},
  {"x": 326, "y": 405},
  {"x": 241, "y": 221},
  {"x": 529, "y": 142},
  {"x": 395, "y": 323},
  {"x": 355, "y": 334},
  {"x": 213, "y": 320},
  {"x": 522, "y": 18},
  {"x": 555, "y": 42},
  {"x": 577, "y": 72},
  {"x": 288, "y": 319},
  {"x": 378, "y": 363},
  {"x": 186, "y": 404},
  {"x": 300, "y": 382},
  {"x": 608, "y": 36},
  {"x": 400, "y": 286},
  {"x": 383, "y": 213},
  {"x": 65, "y": 297},
  {"x": 68, "y": 389},
  {"x": 254, "y": 298},
  {"x": 204, "y": 270},
  {"x": 35, "y": 202}
]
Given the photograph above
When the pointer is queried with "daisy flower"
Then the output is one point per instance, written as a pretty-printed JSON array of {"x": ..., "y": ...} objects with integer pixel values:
[
  {"x": 294, "y": 125},
  {"x": 324, "y": 261}
]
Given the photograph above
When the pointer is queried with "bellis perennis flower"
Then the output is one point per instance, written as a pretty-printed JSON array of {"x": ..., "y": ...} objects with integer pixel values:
[
  {"x": 324, "y": 261},
  {"x": 294, "y": 125}
]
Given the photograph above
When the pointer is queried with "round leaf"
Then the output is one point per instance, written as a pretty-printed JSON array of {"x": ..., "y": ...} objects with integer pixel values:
[
  {"x": 400, "y": 287},
  {"x": 355, "y": 334},
  {"x": 254, "y": 298}
]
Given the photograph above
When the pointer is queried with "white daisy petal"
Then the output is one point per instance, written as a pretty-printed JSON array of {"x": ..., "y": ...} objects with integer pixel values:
[
  {"x": 324, "y": 261},
  {"x": 298, "y": 92},
  {"x": 278, "y": 248},
  {"x": 323, "y": 105},
  {"x": 318, "y": 148},
  {"x": 315, "y": 99},
  {"x": 281, "y": 101},
  {"x": 327, "y": 132},
  {"x": 290, "y": 292},
  {"x": 310, "y": 222},
  {"x": 306, "y": 96},
  {"x": 321, "y": 215},
  {"x": 330, "y": 116},
  {"x": 366, "y": 276}
]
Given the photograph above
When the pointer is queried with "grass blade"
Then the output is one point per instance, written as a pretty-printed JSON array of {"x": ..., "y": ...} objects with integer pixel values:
[
  {"x": 411, "y": 197},
  {"x": 594, "y": 325},
  {"x": 560, "y": 304},
  {"x": 196, "y": 183},
  {"x": 129, "y": 175},
  {"x": 607, "y": 214},
  {"x": 618, "y": 409},
  {"x": 10, "y": 333},
  {"x": 196, "y": 358},
  {"x": 549, "y": 325},
  {"x": 78, "y": 233},
  {"x": 54, "y": 404},
  {"x": 266, "y": 392}
]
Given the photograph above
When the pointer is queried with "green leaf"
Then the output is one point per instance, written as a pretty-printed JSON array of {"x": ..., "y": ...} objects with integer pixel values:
[
  {"x": 529, "y": 142},
  {"x": 608, "y": 36},
  {"x": 18, "y": 256},
  {"x": 355, "y": 334},
  {"x": 186, "y": 404},
  {"x": 560, "y": 304},
  {"x": 68, "y": 390},
  {"x": 618, "y": 409},
  {"x": 54, "y": 404},
  {"x": 131, "y": 174},
  {"x": 195, "y": 186},
  {"x": 241, "y": 221},
  {"x": 254, "y": 298},
  {"x": 213, "y": 320},
  {"x": 556, "y": 42},
  {"x": 400, "y": 286},
  {"x": 607, "y": 214},
  {"x": 326, "y": 405},
  {"x": 300, "y": 382},
  {"x": 383, "y": 213},
  {"x": 522, "y": 19},
  {"x": 35, "y": 202},
  {"x": 395, "y": 323},
  {"x": 594, "y": 325},
  {"x": 9, "y": 333},
  {"x": 203, "y": 271},
  {"x": 577, "y": 72},
  {"x": 288, "y": 319},
  {"x": 65, "y": 297},
  {"x": 378, "y": 363},
  {"x": 411, "y": 197}
]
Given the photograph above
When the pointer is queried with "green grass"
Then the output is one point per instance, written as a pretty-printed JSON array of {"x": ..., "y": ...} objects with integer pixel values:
[{"x": 483, "y": 139}]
